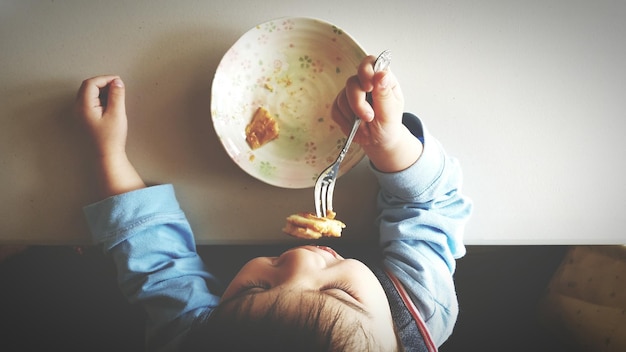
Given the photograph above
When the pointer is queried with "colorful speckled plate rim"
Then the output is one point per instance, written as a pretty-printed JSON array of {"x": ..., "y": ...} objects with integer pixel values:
[{"x": 293, "y": 66}]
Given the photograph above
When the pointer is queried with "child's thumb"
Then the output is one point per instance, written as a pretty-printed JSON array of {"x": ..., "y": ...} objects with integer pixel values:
[
  {"x": 116, "y": 101},
  {"x": 386, "y": 94}
]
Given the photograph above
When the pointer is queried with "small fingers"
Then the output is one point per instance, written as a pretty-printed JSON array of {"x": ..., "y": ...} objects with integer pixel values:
[
  {"x": 116, "y": 97},
  {"x": 356, "y": 97},
  {"x": 365, "y": 73},
  {"x": 387, "y": 97},
  {"x": 90, "y": 88},
  {"x": 93, "y": 96},
  {"x": 343, "y": 106},
  {"x": 344, "y": 116}
]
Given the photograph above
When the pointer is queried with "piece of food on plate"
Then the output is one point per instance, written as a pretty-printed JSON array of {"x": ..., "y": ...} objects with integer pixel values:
[
  {"x": 309, "y": 226},
  {"x": 262, "y": 129}
]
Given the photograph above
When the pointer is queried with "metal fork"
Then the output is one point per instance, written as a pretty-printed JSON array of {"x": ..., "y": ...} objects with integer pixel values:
[{"x": 325, "y": 183}]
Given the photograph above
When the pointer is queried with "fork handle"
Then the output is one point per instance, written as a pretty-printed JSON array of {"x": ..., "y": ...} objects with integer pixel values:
[{"x": 346, "y": 146}]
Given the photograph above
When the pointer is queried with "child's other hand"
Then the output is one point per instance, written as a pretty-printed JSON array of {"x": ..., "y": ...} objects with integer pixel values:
[
  {"x": 387, "y": 142},
  {"x": 100, "y": 104}
]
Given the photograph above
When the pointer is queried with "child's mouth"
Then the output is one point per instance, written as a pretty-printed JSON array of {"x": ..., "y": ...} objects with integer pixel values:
[{"x": 329, "y": 250}]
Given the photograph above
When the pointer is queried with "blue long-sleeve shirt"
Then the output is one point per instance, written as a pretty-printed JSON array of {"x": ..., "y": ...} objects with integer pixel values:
[{"x": 422, "y": 216}]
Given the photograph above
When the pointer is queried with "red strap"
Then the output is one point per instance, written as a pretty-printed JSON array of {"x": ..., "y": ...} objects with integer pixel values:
[{"x": 421, "y": 326}]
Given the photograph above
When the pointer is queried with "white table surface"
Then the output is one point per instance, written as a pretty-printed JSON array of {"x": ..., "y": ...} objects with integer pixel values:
[{"x": 529, "y": 95}]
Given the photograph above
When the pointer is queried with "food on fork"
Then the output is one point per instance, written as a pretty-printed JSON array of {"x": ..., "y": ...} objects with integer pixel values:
[
  {"x": 262, "y": 129},
  {"x": 309, "y": 226}
]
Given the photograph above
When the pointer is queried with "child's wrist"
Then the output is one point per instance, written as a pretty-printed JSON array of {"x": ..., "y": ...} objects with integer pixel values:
[
  {"x": 117, "y": 175},
  {"x": 112, "y": 159},
  {"x": 396, "y": 156}
]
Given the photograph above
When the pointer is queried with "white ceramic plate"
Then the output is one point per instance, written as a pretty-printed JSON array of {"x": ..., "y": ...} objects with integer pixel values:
[{"x": 294, "y": 67}]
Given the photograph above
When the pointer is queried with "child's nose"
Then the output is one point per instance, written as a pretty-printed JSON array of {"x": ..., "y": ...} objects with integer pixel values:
[{"x": 300, "y": 262}]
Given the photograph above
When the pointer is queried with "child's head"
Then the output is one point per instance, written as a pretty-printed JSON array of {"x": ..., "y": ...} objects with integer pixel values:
[{"x": 308, "y": 298}]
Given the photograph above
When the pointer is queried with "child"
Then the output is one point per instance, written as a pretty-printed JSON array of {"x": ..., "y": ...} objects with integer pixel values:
[{"x": 309, "y": 298}]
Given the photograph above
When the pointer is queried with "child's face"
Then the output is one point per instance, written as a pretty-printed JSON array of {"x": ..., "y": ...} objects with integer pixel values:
[{"x": 346, "y": 284}]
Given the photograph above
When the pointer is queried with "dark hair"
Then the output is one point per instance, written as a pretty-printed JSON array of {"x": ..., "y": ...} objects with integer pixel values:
[{"x": 313, "y": 326}]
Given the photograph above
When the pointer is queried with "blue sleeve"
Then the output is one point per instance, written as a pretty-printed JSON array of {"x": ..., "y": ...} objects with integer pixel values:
[
  {"x": 152, "y": 245},
  {"x": 421, "y": 222}
]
